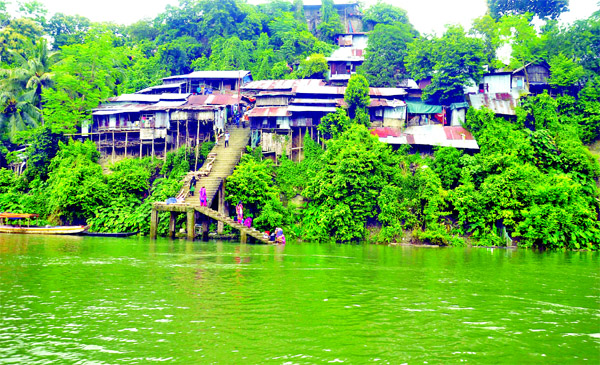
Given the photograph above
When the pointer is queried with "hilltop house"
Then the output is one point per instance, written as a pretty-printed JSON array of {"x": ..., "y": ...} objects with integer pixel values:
[
  {"x": 500, "y": 91},
  {"x": 348, "y": 10},
  {"x": 202, "y": 82},
  {"x": 344, "y": 61}
]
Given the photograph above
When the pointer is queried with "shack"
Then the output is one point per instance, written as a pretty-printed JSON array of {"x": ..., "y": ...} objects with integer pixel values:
[
  {"x": 206, "y": 82},
  {"x": 345, "y": 60}
]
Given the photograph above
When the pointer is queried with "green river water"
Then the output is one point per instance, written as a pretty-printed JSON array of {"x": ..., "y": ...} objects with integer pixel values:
[{"x": 88, "y": 300}]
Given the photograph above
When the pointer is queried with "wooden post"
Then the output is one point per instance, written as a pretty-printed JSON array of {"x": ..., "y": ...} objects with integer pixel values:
[
  {"x": 141, "y": 144},
  {"x": 187, "y": 136},
  {"x": 172, "y": 221},
  {"x": 221, "y": 207},
  {"x": 153, "y": 223},
  {"x": 126, "y": 139},
  {"x": 204, "y": 228},
  {"x": 177, "y": 134},
  {"x": 113, "y": 146},
  {"x": 166, "y": 136},
  {"x": 197, "y": 145},
  {"x": 243, "y": 237},
  {"x": 191, "y": 223},
  {"x": 153, "y": 144}
]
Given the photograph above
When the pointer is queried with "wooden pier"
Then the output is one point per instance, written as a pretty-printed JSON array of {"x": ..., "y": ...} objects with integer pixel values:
[{"x": 222, "y": 165}]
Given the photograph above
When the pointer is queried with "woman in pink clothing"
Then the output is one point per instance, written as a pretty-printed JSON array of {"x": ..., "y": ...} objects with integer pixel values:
[{"x": 202, "y": 196}]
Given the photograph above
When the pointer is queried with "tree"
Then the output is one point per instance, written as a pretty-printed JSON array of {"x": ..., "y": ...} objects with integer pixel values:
[
  {"x": 314, "y": 67},
  {"x": 357, "y": 95},
  {"x": 332, "y": 125},
  {"x": 385, "y": 55},
  {"x": 343, "y": 193},
  {"x": 33, "y": 10},
  {"x": 17, "y": 113},
  {"x": 564, "y": 72},
  {"x": 383, "y": 13},
  {"x": 452, "y": 61},
  {"x": 330, "y": 25},
  {"x": 31, "y": 73},
  {"x": 4, "y": 16},
  {"x": 76, "y": 186},
  {"x": 67, "y": 29},
  {"x": 85, "y": 76},
  {"x": 18, "y": 36},
  {"x": 542, "y": 8}
]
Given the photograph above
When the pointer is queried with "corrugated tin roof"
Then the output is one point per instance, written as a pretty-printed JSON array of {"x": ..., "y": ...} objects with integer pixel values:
[
  {"x": 214, "y": 99},
  {"x": 270, "y": 112},
  {"x": 136, "y": 97},
  {"x": 311, "y": 108},
  {"x": 500, "y": 105},
  {"x": 340, "y": 90},
  {"x": 428, "y": 135},
  {"x": 313, "y": 101},
  {"x": 210, "y": 75},
  {"x": 108, "y": 109},
  {"x": 160, "y": 87},
  {"x": 165, "y": 105},
  {"x": 282, "y": 85},
  {"x": 386, "y": 103}
]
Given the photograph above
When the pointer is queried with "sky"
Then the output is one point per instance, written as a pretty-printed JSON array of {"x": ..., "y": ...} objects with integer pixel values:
[{"x": 428, "y": 16}]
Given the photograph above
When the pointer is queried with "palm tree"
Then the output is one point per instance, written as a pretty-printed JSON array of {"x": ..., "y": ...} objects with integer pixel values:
[
  {"x": 22, "y": 86},
  {"x": 32, "y": 73},
  {"x": 17, "y": 112}
]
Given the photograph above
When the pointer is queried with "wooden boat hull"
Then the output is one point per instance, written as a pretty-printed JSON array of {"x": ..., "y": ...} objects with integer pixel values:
[{"x": 43, "y": 230}]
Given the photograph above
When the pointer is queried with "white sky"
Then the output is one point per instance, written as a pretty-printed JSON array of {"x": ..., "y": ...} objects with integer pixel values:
[{"x": 428, "y": 16}]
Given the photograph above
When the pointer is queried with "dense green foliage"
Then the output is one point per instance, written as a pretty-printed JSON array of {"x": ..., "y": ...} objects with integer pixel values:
[{"x": 541, "y": 8}]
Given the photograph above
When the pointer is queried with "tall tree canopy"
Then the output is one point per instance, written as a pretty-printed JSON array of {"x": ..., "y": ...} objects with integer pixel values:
[
  {"x": 542, "y": 8},
  {"x": 385, "y": 55},
  {"x": 452, "y": 61}
]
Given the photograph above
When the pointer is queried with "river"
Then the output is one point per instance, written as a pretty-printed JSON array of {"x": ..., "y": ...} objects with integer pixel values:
[{"x": 113, "y": 301}]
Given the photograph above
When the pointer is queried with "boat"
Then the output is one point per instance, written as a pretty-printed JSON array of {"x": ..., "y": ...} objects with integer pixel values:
[
  {"x": 108, "y": 234},
  {"x": 42, "y": 230},
  {"x": 5, "y": 228}
]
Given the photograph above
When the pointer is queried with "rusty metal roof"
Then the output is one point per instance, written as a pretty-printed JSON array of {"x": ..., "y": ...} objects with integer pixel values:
[
  {"x": 211, "y": 75},
  {"x": 499, "y": 103},
  {"x": 213, "y": 99},
  {"x": 340, "y": 90},
  {"x": 270, "y": 112},
  {"x": 281, "y": 85}
]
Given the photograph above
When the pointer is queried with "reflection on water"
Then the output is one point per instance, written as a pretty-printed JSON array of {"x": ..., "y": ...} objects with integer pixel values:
[{"x": 91, "y": 299}]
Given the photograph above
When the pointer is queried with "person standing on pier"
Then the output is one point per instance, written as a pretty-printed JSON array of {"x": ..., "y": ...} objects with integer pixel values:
[
  {"x": 239, "y": 209},
  {"x": 226, "y": 138},
  {"x": 202, "y": 195}
]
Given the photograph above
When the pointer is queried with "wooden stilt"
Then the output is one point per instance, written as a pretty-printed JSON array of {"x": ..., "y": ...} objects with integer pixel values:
[
  {"x": 153, "y": 145},
  {"x": 197, "y": 145},
  {"x": 221, "y": 206},
  {"x": 178, "y": 135},
  {"x": 166, "y": 137},
  {"x": 205, "y": 222},
  {"x": 187, "y": 137},
  {"x": 113, "y": 147},
  {"x": 141, "y": 144},
  {"x": 172, "y": 221},
  {"x": 243, "y": 237},
  {"x": 191, "y": 224},
  {"x": 153, "y": 223}
]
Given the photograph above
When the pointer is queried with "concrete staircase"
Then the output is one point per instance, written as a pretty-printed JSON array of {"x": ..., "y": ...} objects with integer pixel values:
[
  {"x": 253, "y": 232},
  {"x": 227, "y": 159}
]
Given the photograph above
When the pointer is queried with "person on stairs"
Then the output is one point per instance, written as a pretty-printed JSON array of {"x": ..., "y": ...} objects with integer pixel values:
[
  {"x": 226, "y": 139},
  {"x": 193, "y": 185},
  {"x": 203, "y": 198},
  {"x": 239, "y": 209}
]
